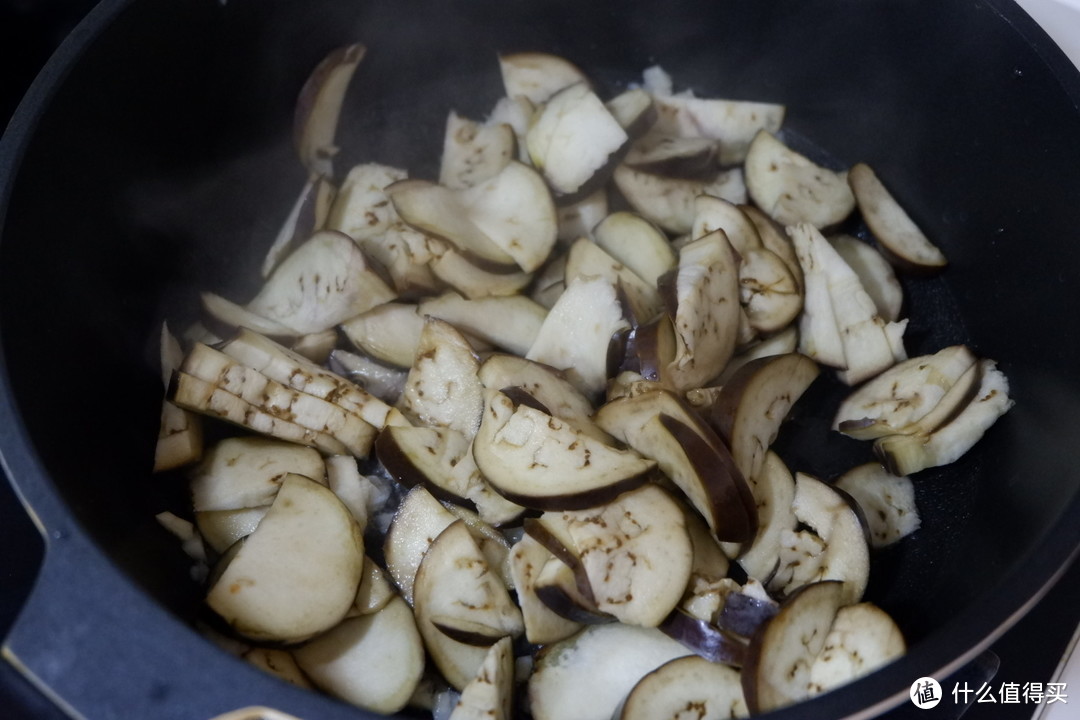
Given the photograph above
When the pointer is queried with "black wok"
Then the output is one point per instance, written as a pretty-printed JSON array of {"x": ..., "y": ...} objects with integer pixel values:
[{"x": 151, "y": 160}]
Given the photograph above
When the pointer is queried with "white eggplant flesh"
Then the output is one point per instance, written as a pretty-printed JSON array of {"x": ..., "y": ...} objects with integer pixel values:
[
  {"x": 468, "y": 278},
  {"x": 225, "y": 317},
  {"x": 546, "y": 385},
  {"x": 418, "y": 521},
  {"x": 635, "y": 552},
  {"x": 685, "y": 157},
  {"x": 510, "y": 323},
  {"x": 489, "y": 695},
  {"x": 585, "y": 258},
  {"x": 474, "y": 152},
  {"x": 374, "y": 662},
  {"x": 711, "y": 691},
  {"x": 296, "y": 575},
  {"x": 875, "y": 274},
  {"x": 362, "y": 209},
  {"x": 891, "y": 225},
  {"x": 733, "y": 123},
  {"x": 574, "y": 142},
  {"x": 515, "y": 210},
  {"x": 887, "y": 502},
  {"x": 578, "y": 219},
  {"x": 318, "y": 108},
  {"x": 903, "y": 395},
  {"x": 587, "y": 676},
  {"x": 295, "y": 371},
  {"x": 768, "y": 291},
  {"x": 862, "y": 639},
  {"x": 907, "y": 454},
  {"x": 220, "y": 529},
  {"x": 383, "y": 381},
  {"x": 454, "y": 582},
  {"x": 706, "y": 310},
  {"x": 442, "y": 388},
  {"x": 375, "y": 590},
  {"x": 441, "y": 212},
  {"x": 774, "y": 492},
  {"x": 791, "y": 188},
  {"x": 777, "y": 668},
  {"x": 669, "y": 202},
  {"x": 279, "y": 401},
  {"x": 441, "y": 458},
  {"x": 542, "y": 625},
  {"x": 577, "y": 332},
  {"x": 713, "y": 213},
  {"x": 844, "y": 544},
  {"x": 868, "y": 343},
  {"x": 389, "y": 333},
  {"x": 192, "y": 393},
  {"x": 246, "y": 472},
  {"x": 636, "y": 243},
  {"x": 324, "y": 282},
  {"x": 542, "y": 462},
  {"x": 635, "y": 110},
  {"x": 537, "y": 75}
]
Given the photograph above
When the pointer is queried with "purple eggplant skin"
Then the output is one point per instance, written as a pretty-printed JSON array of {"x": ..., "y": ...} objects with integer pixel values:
[{"x": 705, "y": 639}]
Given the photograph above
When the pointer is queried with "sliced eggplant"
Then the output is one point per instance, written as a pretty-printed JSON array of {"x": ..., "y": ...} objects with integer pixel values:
[
  {"x": 777, "y": 669},
  {"x": 192, "y": 393},
  {"x": 840, "y": 325},
  {"x": 838, "y": 541},
  {"x": 225, "y": 317},
  {"x": 383, "y": 381},
  {"x": 318, "y": 108},
  {"x": 362, "y": 210},
  {"x": 324, "y": 282},
  {"x": 246, "y": 472},
  {"x": 875, "y": 274},
  {"x": 375, "y": 590},
  {"x": 709, "y": 689},
  {"x": 542, "y": 625},
  {"x": 587, "y": 676},
  {"x": 537, "y": 75},
  {"x": 546, "y": 385},
  {"x": 296, "y": 575},
  {"x": 389, "y": 333},
  {"x": 307, "y": 216},
  {"x": 863, "y": 638},
  {"x": 279, "y": 663},
  {"x": 660, "y": 426},
  {"x": 791, "y": 188},
  {"x": 669, "y": 202},
  {"x": 634, "y": 110},
  {"x": 489, "y": 695},
  {"x": 351, "y": 660},
  {"x": 474, "y": 152},
  {"x": 636, "y": 243},
  {"x": 887, "y": 502},
  {"x": 704, "y": 639},
  {"x": 418, "y": 521},
  {"x": 474, "y": 281},
  {"x": 575, "y": 142},
  {"x": 441, "y": 459},
  {"x": 706, "y": 289},
  {"x": 733, "y": 123},
  {"x": 906, "y": 244},
  {"x": 673, "y": 156},
  {"x": 635, "y": 552},
  {"x": 542, "y": 462},
  {"x": 752, "y": 405},
  {"x": 903, "y": 395},
  {"x": 579, "y": 219},
  {"x": 907, "y": 454},
  {"x": 510, "y": 323},
  {"x": 454, "y": 581},
  {"x": 774, "y": 492},
  {"x": 586, "y": 258},
  {"x": 442, "y": 388},
  {"x": 577, "y": 332}
]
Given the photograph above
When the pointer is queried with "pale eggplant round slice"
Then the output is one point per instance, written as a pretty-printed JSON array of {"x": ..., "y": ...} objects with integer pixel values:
[
  {"x": 863, "y": 638},
  {"x": 373, "y": 661},
  {"x": 489, "y": 695},
  {"x": 297, "y": 574},
  {"x": 777, "y": 668},
  {"x": 587, "y": 676},
  {"x": 709, "y": 690}
]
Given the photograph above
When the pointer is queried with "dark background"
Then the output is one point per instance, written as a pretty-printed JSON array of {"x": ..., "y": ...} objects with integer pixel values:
[{"x": 29, "y": 31}]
